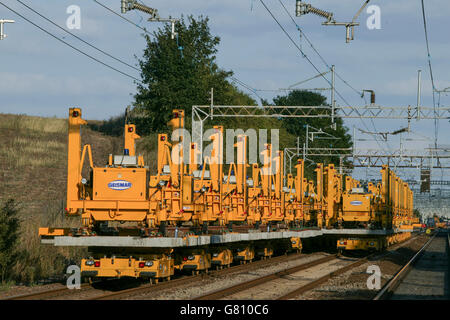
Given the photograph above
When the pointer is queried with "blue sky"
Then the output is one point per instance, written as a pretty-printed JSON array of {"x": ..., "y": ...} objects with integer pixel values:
[{"x": 41, "y": 76}]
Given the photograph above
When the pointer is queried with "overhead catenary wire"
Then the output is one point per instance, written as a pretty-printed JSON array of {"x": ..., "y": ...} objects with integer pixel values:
[
  {"x": 243, "y": 84},
  {"x": 315, "y": 50},
  {"x": 359, "y": 93},
  {"x": 77, "y": 37},
  {"x": 431, "y": 73},
  {"x": 299, "y": 49},
  {"x": 71, "y": 46},
  {"x": 313, "y": 65}
]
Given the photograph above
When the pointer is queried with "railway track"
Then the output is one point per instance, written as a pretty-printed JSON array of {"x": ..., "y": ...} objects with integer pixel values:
[
  {"x": 392, "y": 285},
  {"x": 222, "y": 293},
  {"x": 153, "y": 288},
  {"x": 229, "y": 291},
  {"x": 48, "y": 293},
  {"x": 264, "y": 279}
]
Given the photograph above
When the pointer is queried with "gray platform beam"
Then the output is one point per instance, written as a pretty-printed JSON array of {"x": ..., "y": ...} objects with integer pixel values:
[{"x": 137, "y": 242}]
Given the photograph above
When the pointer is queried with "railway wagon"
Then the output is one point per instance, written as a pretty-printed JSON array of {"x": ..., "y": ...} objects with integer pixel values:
[
  {"x": 180, "y": 194},
  {"x": 186, "y": 196}
]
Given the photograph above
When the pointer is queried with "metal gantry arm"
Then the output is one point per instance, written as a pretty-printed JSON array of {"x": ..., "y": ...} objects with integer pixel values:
[
  {"x": 384, "y": 135},
  {"x": 323, "y": 111},
  {"x": 200, "y": 114},
  {"x": 414, "y": 159},
  {"x": 2, "y": 22}
]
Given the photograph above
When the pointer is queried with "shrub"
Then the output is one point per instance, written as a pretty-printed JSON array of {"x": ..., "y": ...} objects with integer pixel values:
[{"x": 9, "y": 235}]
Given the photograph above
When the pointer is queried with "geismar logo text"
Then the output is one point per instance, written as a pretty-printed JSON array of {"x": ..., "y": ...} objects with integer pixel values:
[{"x": 119, "y": 185}]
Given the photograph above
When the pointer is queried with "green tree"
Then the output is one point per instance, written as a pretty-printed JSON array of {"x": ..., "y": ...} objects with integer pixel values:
[
  {"x": 297, "y": 126},
  {"x": 179, "y": 73},
  {"x": 112, "y": 127},
  {"x": 9, "y": 235}
]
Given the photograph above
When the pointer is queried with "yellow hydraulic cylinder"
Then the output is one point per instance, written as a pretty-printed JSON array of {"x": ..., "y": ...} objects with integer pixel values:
[
  {"x": 265, "y": 201},
  {"x": 240, "y": 197},
  {"x": 254, "y": 193},
  {"x": 277, "y": 198},
  {"x": 130, "y": 137},
  {"x": 300, "y": 189},
  {"x": 266, "y": 170},
  {"x": 319, "y": 194},
  {"x": 163, "y": 152},
  {"x": 216, "y": 163},
  {"x": 330, "y": 194},
  {"x": 241, "y": 166},
  {"x": 177, "y": 120},
  {"x": 299, "y": 183},
  {"x": 73, "y": 160},
  {"x": 193, "y": 163},
  {"x": 290, "y": 199}
]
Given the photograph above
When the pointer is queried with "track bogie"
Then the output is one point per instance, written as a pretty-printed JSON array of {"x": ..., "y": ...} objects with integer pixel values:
[
  {"x": 244, "y": 255},
  {"x": 119, "y": 267},
  {"x": 193, "y": 261},
  {"x": 221, "y": 258},
  {"x": 371, "y": 243}
]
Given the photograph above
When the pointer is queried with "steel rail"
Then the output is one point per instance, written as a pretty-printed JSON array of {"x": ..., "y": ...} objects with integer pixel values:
[
  {"x": 342, "y": 270},
  {"x": 192, "y": 279},
  {"x": 392, "y": 284},
  {"x": 261, "y": 280},
  {"x": 317, "y": 282},
  {"x": 47, "y": 293}
]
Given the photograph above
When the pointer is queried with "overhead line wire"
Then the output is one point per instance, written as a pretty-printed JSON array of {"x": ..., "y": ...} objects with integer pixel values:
[
  {"x": 431, "y": 73},
  {"x": 328, "y": 66},
  {"x": 315, "y": 50},
  {"x": 74, "y": 35},
  {"x": 306, "y": 57},
  {"x": 71, "y": 46},
  {"x": 301, "y": 51}
]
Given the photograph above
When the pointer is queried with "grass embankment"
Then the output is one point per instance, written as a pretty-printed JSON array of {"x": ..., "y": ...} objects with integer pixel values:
[{"x": 33, "y": 171}]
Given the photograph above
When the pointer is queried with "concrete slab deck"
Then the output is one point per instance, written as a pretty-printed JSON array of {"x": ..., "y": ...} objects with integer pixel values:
[
  {"x": 193, "y": 241},
  {"x": 137, "y": 242}
]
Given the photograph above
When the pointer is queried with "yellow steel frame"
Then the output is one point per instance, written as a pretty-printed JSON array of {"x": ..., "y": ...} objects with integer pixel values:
[{"x": 181, "y": 195}]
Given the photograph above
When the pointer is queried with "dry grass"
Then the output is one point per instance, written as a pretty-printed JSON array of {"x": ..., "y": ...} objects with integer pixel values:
[
  {"x": 32, "y": 142},
  {"x": 44, "y": 261},
  {"x": 33, "y": 171},
  {"x": 37, "y": 124}
]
